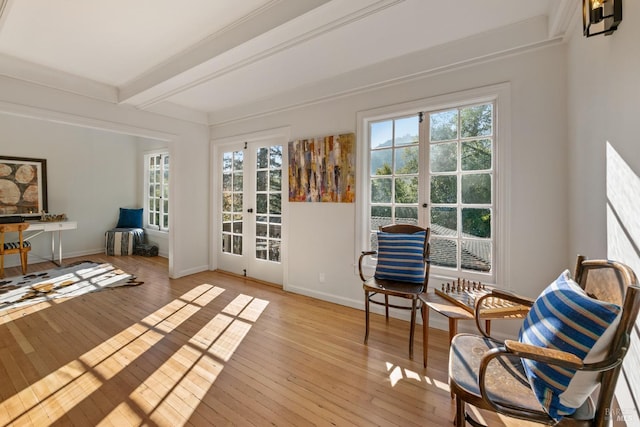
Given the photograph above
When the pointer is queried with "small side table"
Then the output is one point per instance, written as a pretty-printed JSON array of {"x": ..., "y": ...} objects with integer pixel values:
[{"x": 431, "y": 301}]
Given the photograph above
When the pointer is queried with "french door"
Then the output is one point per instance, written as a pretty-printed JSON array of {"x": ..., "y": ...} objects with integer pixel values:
[{"x": 250, "y": 210}]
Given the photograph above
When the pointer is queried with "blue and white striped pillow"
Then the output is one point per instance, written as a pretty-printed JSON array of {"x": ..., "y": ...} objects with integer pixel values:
[
  {"x": 400, "y": 257},
  {"x": 565, "y": 318}
]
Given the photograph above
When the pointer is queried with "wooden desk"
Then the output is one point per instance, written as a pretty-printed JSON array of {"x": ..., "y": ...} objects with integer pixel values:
[
  {"x": 431, "y": 301},
  {"x": 36, "y": 228}
]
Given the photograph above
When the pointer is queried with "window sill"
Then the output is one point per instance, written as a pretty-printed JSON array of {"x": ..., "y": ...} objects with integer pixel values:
[{"x": 156, "y": 232}]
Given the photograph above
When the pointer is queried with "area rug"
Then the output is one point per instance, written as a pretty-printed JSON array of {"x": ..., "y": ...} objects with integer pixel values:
[{"x": 64, "y": 282}]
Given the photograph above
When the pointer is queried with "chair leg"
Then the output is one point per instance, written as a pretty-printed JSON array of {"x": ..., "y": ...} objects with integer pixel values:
[
  {"x": 459, "y": 421},
  {"x": 1, "y": 266},
  {"x": 386, "y": 307},
  {"x": 23, "y": 261},
  {"x": 412, "y": 327},
  {"x": 366, "y": 315}
]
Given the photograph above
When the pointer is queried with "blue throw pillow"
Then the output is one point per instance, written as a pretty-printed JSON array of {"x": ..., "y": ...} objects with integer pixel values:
[
  {"x": 565, "y": 318},
  {"x": 130, "y": 218},
  {"x": 400, "y": 257}
]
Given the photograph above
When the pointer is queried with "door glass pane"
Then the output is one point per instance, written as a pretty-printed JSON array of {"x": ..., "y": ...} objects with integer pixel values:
[
  {"x": 476, "y": 188},
  {"x": 444, "y": 189},
  {"x": 407, "y": 215},
  {"x": 232, "y": 191},
  {"x": 407, "y": 160},
  {"x": 261, "y": 229},
  {"x": 444, "y": 126},
  {"x": 476, "y": 255},
  {"x": 381, "y": 162},
  {"x": 380, "y": 215},
  {"x": 444, "y": 221},
  {"x": 381, "y": 134},
  {"x": 406, "y": 130},
  {"x": 476, "y": 222},
  {"x": 268, "y": 202},
  {"x": 262, "y": 161},
  {"x": 261, "y": 203},
  {"x": 261, "y": 181},
  {"x": 444, "y": 252},
  {"x": 381, "y": 190},
  {"x": 444, "y": 157},
  {"x": 476, "y": 121},
  {"x": 476, "y": 155},
  {"x": 274, "y": 250},
  {"x": 275, "y": 207},
  {"x": 275, "y": 180},
  {"x": 406, "y": 190},
  {"x": 462, "y": 142}
]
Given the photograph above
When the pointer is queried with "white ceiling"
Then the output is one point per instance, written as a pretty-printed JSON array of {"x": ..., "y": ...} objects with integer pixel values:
[{"x": 215, "y": 58}]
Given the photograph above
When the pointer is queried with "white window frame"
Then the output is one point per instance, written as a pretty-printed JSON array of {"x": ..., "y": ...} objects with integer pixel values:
[
  {"x": 500, "y": 95},
  {"x": 147, "y": 196}
]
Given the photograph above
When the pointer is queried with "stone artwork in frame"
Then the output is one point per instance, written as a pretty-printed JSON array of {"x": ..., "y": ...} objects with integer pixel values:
[
  {"x": 323, "y": 169},
  {"x": 23, "y": 186}
]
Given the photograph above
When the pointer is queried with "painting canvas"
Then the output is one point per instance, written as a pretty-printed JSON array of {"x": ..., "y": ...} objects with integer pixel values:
[
  {"x": 23, "y": 186},
  {"x": 322, "y": 169}
]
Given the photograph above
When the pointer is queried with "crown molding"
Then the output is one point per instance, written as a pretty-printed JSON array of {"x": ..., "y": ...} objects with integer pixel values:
[
  {"x": 492, "y": 45},
  {"x": 561, "y": 17},
  {"x": 179, "y": 112},
  {"x": 55, "y": 79},
  {"x": 173, "y": 73}
]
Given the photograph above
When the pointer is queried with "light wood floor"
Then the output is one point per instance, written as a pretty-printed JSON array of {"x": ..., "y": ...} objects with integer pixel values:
[{"x": 212, "y": 349}]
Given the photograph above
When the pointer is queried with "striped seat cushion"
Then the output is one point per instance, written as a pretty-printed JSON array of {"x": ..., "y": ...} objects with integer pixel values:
[
  {"x": 565, "y": 318},
  {"x": 16, "y": 245},
  {"x": 400, "y": 257},
  {"x": 122, "y": 241}
]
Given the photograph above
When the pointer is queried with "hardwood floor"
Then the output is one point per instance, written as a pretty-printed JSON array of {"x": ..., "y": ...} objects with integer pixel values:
[{"x": 213, "y": 349}]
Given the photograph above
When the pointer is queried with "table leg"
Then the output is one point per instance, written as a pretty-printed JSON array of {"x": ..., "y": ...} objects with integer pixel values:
[
  {"x": 53, "y": 248},
  {"x": 424, "y": 309},
  {"x": 60, "y": 248},
  {"x": 453, "y": 328}
]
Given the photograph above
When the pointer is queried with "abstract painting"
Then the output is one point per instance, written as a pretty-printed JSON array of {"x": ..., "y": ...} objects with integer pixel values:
[{"x": 322, "y": 169}]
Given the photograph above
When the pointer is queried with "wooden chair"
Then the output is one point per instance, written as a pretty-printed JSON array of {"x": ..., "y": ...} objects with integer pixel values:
[
  {"x": 489, "y": 374},
  {"x": 396, "y": 288},
  {"x": 21, "y": 247}
]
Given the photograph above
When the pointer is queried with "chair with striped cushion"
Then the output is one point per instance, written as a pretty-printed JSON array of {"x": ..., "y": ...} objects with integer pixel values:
[
  {"x": 564, "y": 366},
  {"x": 402, "y": 271},
  {"x": 21, "y": 247}
]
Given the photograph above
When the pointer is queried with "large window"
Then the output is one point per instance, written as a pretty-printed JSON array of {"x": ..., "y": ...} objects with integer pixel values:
[
  {"x": 461, "y": 187},
  {"x": 436, "y": 167},
  {"x": 394, "y": 172},
  {"x": 157, "y": 191}
]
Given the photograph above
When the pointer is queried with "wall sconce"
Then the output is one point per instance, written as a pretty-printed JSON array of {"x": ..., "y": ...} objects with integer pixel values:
[{"x": 601, "y": 16}]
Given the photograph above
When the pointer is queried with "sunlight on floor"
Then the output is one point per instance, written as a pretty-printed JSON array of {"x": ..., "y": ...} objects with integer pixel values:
[
  {"x": 174, "y": 390},
  {"x": 396, "y": 374}
]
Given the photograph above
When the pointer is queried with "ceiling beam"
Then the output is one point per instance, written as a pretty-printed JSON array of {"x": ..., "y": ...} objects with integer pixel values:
[{"x": 263, "y": 20}]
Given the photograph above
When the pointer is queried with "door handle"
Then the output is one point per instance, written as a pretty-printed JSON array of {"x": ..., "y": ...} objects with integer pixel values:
[{"x": 250, "y": 210}]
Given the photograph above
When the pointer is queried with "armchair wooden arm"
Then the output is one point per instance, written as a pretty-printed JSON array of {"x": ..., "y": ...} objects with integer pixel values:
[
  {"x": 546, "y": 355},
  {"x": 502, "y": 294},
  {"x": 362, "y": 255}
]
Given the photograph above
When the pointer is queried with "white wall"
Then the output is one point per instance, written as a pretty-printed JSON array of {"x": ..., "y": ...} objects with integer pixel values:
[
  {"x": 322, "y": 236},
  {"x": 90, "y": 174},
  {"x": 604, "y": 144},
  {"x": 188, "y": 146}
]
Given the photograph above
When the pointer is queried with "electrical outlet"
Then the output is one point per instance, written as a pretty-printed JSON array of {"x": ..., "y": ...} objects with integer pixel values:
[{"x": 321, "y": 277}]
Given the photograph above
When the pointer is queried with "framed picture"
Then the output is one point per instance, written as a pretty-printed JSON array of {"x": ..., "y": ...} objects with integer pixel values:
[
  {"x": 23, "y": 186},
  {"x": 323, "y": 169}
]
